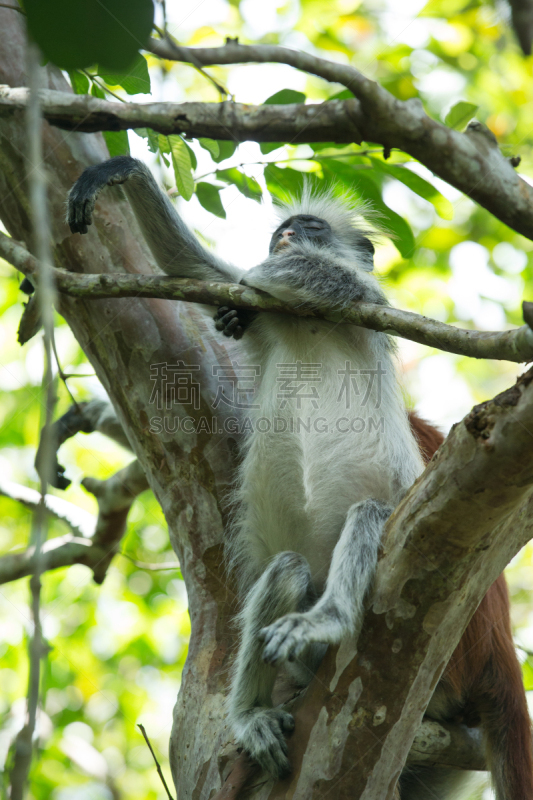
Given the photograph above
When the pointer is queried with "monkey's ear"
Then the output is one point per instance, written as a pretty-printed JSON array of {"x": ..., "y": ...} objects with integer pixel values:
[{"x": 366, "y": 245}]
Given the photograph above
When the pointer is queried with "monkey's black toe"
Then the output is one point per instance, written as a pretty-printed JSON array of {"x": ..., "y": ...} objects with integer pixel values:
[{"x": 232, "y": 322}]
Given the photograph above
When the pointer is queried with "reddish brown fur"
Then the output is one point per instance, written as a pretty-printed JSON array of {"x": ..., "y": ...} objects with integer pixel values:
[{"x": 484, "y": 675}]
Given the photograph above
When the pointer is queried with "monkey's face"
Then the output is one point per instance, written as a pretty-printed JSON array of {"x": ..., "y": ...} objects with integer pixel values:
[{"x": 299, "y": 228}]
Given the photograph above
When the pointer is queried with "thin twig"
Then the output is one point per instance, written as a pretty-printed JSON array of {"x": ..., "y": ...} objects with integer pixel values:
[
  {"x": 147, "y": 740},
  {"x": 311, "y": 158},
  {"x": 165, "y": 36},
  {"x": 41, "y": 229},
  {"x": 62, "y": 375},
  {"x": 164, "y": 566},
  {"x": 102, "y": 85}
]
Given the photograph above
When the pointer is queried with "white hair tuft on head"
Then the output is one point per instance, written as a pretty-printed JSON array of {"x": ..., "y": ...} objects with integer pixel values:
[{"x": 345, "y": 214}]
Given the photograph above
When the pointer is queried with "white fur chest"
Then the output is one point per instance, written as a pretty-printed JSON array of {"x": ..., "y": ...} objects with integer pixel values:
[{"x": 328, "y": 430}]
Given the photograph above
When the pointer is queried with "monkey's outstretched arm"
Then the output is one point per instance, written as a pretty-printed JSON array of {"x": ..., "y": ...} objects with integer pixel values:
[
  {"x": 315, "y": 275},
  {"x": 175, "y": 248}
]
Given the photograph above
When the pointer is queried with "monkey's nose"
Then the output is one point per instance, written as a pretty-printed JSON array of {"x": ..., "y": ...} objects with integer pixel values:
[{"x": 288, "y": 233}]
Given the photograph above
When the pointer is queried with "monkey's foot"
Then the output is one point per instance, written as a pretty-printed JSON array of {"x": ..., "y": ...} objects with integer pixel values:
[
  {"x": 261, "y": 732},
  {"x": 287, "y": 638}
]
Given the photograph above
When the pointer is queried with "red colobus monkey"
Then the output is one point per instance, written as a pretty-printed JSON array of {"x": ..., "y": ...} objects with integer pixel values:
[{"x": 312, "y": 500}]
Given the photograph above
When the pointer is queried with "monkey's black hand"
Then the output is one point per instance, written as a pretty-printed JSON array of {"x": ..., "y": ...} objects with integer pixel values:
[
  {"x": 62, "y": 429},
  {"x": 27, "y": 286},
  {"x": 233, "y": 322},
  {"x": 83, "y": 194}
]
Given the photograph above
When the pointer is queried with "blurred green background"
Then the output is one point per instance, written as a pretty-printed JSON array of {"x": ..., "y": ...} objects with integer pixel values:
[{"x": 118, "y": 650}]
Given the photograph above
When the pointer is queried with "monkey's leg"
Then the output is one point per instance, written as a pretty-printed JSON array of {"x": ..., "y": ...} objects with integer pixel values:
[
  {"x": 283, "y": 587},
  {"x": 339, "y": 611}
]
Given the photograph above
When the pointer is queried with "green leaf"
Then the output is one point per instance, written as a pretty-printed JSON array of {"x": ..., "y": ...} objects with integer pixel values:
[
  {"x": 460, "y": 115},
  {"x": 163, "y": 143},
  {"x": 79, "y": 81},
  {"x": 78, "y": 34},
  {"x": 268, "y": 147},
  {"x": 97, "y": 92},
  {"x": 285, "y": 97},
  {"x": 417, "y": 184},
  {"x": 192, "y": 154},
  {"x": 134, "y": 80},
  {"x": 286, "y": 184},
  {"x": 181, "y": 161},
  {"x": 276, "y": 182},
  {"x": 318, "y": 146},
  {"x": 153, "y": 140},
  {"x": 346, "y": 94},
  {"x": 209, "y": 197},
  {"x": 151, "y": 136},
  {"x": 367, "y": 189},
  {"x": 211, "y": 145},
  {"x": 225, "y": 150},
  {"x": 117, "y": 143},
  {"x": 246, "y": 185}
]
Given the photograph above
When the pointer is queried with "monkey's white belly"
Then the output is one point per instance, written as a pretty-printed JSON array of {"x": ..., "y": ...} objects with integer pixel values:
[{"x": 314, "y": 454}]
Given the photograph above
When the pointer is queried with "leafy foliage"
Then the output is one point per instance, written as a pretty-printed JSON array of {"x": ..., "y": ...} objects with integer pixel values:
[
  {"x": 134, "y": 80},
  {"x": 75, "y": 35}
]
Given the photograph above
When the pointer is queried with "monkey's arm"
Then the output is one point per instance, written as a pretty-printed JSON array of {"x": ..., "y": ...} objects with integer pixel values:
[
  {"x": 175, "y": 248},
  {"x": 315, "y": 275}
]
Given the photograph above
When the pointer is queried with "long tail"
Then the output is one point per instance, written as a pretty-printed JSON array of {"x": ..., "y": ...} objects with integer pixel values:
[{"x": 503, "y": 709}]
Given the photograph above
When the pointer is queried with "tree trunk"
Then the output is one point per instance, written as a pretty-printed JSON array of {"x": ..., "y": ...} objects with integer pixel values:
[{"x": 122, "y": 338}]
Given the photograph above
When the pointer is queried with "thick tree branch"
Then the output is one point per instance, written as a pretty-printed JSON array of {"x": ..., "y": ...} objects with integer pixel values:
[
  {"x": 435, "y": 744},
  {"x": 62, "y": 551},
  {"x": 448, "y": 745},
  {"x": 470, "y": 161},
  {"x": 95, "y": 540},
  {"x": 515, "y": 345},
  {"x": 115, "y": 497},
  {"x": 297, "y": 123},
  {"x": 235, "y": 53}
]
